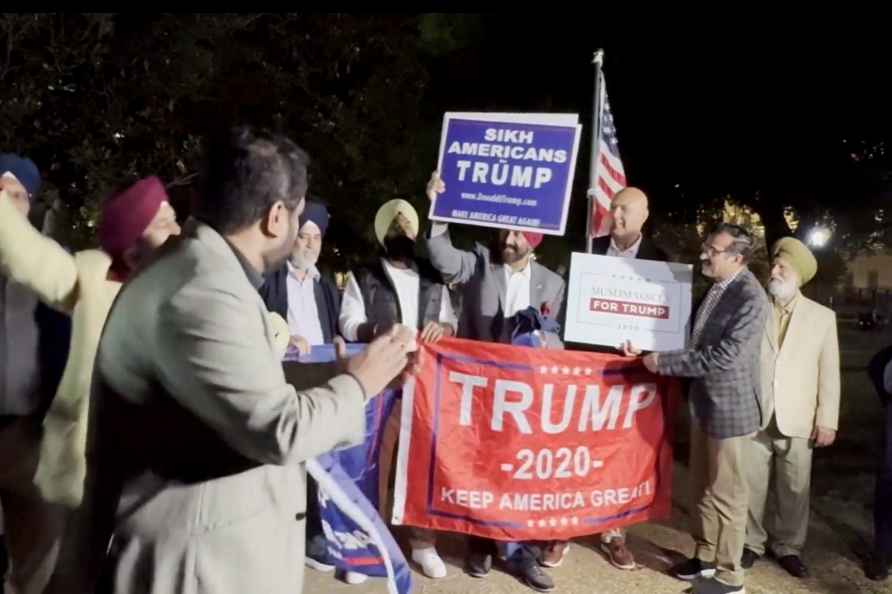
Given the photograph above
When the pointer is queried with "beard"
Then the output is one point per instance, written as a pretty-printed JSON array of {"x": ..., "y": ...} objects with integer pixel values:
[
  {"x": 782, "y": 290},
  {"x": 400, "y": 248},
  {"x": 511, "y": 254},
  {"x": 304, "y": 259}
]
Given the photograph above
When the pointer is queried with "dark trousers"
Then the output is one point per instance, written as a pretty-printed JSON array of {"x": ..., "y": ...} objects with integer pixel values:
[
  {"x": 316, "y": 545},
  {"x": 882, "y": 511}
]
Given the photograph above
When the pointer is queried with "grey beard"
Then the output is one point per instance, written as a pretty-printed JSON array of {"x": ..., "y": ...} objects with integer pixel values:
[
  {"x": 781, "y": 290},
  {"x": 301, "y": 262}
]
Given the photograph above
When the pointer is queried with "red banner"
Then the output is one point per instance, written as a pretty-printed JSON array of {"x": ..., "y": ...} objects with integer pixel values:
[{"x": 515, "y": 443}]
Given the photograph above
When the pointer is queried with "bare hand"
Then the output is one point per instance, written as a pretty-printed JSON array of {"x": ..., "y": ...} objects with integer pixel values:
[
  {"x": 630, "y": 351},
  {"x": 301, "y": 344},
  {"x": 651, "y": 362},
  {"x": 383, "y": 360},
  {"x": 435, "y": 186},
  {"x": 433, "y": 332},
  {"x": 823, "y": 437},
  {"x": 405, "y": 225}
]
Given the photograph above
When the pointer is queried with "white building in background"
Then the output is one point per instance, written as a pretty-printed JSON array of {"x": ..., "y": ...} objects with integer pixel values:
[{"x": 869, "y": 272}]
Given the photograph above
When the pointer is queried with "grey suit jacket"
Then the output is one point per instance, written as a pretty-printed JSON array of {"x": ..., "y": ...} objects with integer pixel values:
[
  {"x": 485, "y": 289},
  {"x": 725, "y": 393},
  {"x": 197, "y": 440}
]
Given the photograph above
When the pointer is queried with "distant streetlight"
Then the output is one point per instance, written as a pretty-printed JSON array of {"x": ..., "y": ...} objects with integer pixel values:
[{"x": 819, "y": 236}]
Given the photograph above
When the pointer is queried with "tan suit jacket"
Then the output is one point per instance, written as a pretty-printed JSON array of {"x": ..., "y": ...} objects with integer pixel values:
[
  {"x": 801, "y": 385},
  {"x": 197, "y": 439}
]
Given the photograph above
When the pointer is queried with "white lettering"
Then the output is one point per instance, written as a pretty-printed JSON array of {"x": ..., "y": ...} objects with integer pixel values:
[
  {"x": 642, "y": 396},
  {"x": 468, "y": 383},
  {"x": 501, "y": 405}
]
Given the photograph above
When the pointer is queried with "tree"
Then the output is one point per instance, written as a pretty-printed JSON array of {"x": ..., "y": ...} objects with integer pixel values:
[{"x": 100, "y": 100}]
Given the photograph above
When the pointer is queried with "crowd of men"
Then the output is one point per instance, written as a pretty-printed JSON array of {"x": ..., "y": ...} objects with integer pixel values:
[{"x": 153, "y": 441}]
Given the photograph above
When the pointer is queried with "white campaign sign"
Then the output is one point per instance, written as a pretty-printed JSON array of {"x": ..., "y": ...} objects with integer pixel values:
[{"x": 611, "y": 300}]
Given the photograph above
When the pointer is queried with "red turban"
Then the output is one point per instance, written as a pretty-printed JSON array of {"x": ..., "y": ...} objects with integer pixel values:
[
  {"x": 534, "y": 239},
  {"x": 126, "y": 216}
]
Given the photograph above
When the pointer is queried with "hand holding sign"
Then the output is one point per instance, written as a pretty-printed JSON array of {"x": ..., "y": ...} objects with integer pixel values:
[
  {"x": 435, "y": 186},
  {"x": 629, "y": 350}
]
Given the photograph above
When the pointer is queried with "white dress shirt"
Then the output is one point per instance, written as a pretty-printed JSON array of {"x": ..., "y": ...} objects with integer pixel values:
[
  {"x": 630, "y": 252},
  {"x": 303, "y": 315},
  {"x": 517, "y": 296},
  {"x": 407, "y": 284}
]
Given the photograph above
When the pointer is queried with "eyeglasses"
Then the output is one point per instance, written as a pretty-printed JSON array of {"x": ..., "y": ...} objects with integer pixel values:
[{"x": 711, "y": 251}]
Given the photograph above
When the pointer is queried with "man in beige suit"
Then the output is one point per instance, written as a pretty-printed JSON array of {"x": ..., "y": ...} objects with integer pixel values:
[
  {"x": 800, "y": 405},
  {"x": 195, "y": 480}
]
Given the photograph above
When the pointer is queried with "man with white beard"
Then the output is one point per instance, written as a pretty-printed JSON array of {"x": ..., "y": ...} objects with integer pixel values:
[
  {"x": 800, "y": 409},
  {"x": 311, "y": 304}
]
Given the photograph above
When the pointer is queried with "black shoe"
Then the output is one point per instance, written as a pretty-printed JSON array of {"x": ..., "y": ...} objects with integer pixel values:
[
  {"x": 877, "y": 567},
  {"x": 478, "y": 564},
  {"x": 532, "y": 575},
  {"x": 713, "y": 586},
  {"x": 794, "y": 566},
  {"x": 748, "y": 558},
  {"x": 317, "y": 554},
  {"x": 693, "y": 569}
]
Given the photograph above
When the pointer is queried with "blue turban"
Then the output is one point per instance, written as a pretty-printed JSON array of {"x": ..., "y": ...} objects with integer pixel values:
[
  {"x": 23, "y": 169},
  {"x": 316, "y": 212}
]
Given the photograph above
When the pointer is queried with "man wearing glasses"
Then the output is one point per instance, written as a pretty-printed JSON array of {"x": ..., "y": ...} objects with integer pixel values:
[{"x": 722, "y": 360}]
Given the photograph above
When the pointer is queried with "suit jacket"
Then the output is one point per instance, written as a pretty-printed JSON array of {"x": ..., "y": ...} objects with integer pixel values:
[
  {"x": 485, "y": 290},
  {"x": 328, "y": 301},
  {"x": 725, "y": 392},
  {"x": 648, "y": 250},
  {"x": 800, "y": 381},
  {"x": 197, "y": 440}
]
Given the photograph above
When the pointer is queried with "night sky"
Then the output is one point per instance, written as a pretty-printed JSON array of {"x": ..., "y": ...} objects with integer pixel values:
[{"x": 763, "y": 108}]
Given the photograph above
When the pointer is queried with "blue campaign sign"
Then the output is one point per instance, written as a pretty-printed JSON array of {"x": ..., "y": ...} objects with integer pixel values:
[
  {"x": 358, "y": 538},
  {"x": 511, "y": 171}
]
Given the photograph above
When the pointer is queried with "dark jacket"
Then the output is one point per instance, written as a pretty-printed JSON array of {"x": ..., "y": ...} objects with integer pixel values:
[
  {"x": 382, "y": 305},
  {"x": 647, "y": 251},
  {"x": 725, "y": 390},
  {"x": 274, "y": 292}
]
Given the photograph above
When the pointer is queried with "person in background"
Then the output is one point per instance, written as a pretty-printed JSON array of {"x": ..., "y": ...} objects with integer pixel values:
[
  {"x": 498, "y": 283},
  {"x": 800, "y": 409},
  {"x": 398, "y": 288}
]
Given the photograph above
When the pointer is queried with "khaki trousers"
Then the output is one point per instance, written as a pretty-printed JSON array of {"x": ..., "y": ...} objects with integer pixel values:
[
  {"x": 720, "y": 502},
  {"x": 33, "y": 527},
  {"x": 778, "y": 476}
]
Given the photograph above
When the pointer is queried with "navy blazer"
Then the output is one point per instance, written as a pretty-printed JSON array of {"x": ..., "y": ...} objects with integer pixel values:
[{"x": 274, "y": 292}]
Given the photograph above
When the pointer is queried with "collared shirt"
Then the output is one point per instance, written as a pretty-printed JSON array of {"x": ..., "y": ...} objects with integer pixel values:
[
  {"x": 517, "y": 296},
  {"x": 709, "y": 303},
  {"x": 303, "y": 314},
  {"x": 782, "y": 315},
  {"x": 630, "y": 252},
  {"x": 407, "y": 283},
  {"x": 254, "y": 276}
]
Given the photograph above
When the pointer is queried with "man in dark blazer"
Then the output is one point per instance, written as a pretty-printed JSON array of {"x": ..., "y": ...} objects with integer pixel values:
[
  {"x": 298, "y": 292},
  {"x": 311, "y": 304},
  {"x": 628, "y": 213},
  {"x": 722, "y": 360}
]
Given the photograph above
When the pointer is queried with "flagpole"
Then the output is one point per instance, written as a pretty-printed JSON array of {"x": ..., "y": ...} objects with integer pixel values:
[{"x": 598, "y": 61}]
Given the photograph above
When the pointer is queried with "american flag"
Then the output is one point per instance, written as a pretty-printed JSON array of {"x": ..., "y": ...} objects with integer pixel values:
[{"x": 611, "y": 177}]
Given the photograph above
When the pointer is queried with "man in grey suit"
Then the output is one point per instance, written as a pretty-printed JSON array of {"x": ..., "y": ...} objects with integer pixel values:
[
  {"x": 196, "y": 480},
  {"x": 496, "y": 284},
  {"x": 722, "y": 360}
]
